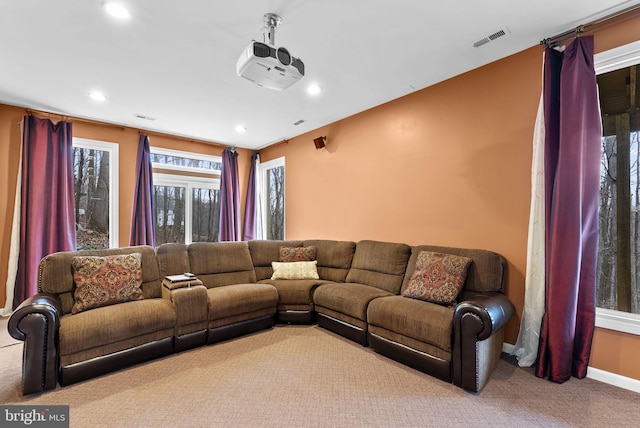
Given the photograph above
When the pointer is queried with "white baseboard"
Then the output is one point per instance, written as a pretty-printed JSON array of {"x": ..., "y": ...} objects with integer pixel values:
[
  {"x": 507, "y": 348},
  {"x": 614, "y": 379},
  {"x": 597, "y": 374}
]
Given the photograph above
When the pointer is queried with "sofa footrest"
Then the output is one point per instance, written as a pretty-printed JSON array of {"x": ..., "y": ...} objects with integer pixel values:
[
  {"x": 296, "y": 317},
  {"x": 349, "y": 331},
  {"x": 241, "y": 328},
  {"x": 426, "y": 363},
  {"x": 100, "y": 365},
  {"x": 190, "y": 340}
]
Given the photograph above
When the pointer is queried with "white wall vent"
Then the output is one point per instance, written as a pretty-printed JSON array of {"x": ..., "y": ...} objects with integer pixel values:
[{"x": 491, "y": 37}]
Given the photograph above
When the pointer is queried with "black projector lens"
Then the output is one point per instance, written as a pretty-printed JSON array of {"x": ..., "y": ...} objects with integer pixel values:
[{"x": 283, "y": 56}]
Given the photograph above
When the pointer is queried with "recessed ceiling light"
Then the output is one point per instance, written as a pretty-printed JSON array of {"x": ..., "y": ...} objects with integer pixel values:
[
  {"x": 241, "y": 129},
  {"x": 314, "y": 89},
  {"x": 117, "y": 10},
  {"x": 97, "y": 96}
]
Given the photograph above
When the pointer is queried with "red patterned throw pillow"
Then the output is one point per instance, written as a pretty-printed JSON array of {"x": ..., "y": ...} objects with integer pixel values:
[
  {"x": 437, "y": 277},
  {"x": 298, "y": 254},
  {"x": 102, "y": 281}
]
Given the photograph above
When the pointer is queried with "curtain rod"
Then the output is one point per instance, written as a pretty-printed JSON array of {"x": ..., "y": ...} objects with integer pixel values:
[
  {"x": 613, "y": 18},
  {"x": 63, "y": 117}
]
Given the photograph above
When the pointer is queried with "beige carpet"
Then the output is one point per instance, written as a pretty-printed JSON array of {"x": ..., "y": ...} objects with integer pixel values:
[{"x": 306, "y": 376}]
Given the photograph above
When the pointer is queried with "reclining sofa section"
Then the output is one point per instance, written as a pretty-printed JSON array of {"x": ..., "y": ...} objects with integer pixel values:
[{"x": 358, "y": 292}]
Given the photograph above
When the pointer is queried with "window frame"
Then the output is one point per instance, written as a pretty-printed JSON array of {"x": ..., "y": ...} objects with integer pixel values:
[
  {"x": 186, "y": 155},
  {"x": 114, "y": 193},
  {"x": 189, "y": 183},
  {"x": 604, "y": 62},
  {"x": 263, "y": 193}
]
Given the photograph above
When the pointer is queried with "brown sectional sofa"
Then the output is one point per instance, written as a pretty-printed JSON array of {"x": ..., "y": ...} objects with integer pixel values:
[{"x": 357, "y": 295}]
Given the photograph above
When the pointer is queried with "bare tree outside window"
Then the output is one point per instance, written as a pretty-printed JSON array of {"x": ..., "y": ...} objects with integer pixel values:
[
  {"x": 275, "y": 203},
  {"x": 169, "y": 213},
  {"x": 205, "y": 215},
  {"x": 619, "y": 219},
  {"x": 91, "y": 187}
]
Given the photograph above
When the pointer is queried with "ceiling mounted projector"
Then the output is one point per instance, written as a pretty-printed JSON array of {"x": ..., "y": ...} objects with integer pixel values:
[{"x": 267, "y": 65}]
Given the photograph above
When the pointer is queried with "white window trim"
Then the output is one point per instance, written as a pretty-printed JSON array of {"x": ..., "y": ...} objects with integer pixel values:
[
  {"x": 112, "y": 148},
  {"x": 617, "y": 320},
  {"x": 263, "y": 191},
  {"x": 173, "y": 180},
  {"x": 617, "y": 58},
  {"x": 604, "y": 62},
  {"x": 187, "y": 155}
]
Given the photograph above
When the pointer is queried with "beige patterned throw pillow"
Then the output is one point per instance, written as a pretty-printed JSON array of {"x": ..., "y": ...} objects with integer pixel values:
[
  {"x": 106, "y": 280},
  {"x": 295, "y": 270},
  {"x": 437, "y": 277}
]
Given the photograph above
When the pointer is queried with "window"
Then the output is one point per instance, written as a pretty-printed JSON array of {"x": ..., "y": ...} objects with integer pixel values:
[
  {"x": 95, "y": 173},
  {"x": 618, "y": 293},
  {"x": 272, "y": 199},
  {"x": 186, "y": 196}
]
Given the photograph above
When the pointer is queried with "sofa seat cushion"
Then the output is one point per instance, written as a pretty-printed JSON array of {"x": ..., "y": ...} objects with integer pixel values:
[
  {"x": 294, "y": 291},
  {"x": 238, "y": 299},
  {"x": 115, "y": 324},
  {"x": 348, "y": 298},
  {"x": 423, "y": 321}
]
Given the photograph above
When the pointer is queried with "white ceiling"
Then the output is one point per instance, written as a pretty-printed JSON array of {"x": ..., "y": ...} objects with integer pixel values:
[{"x": 175, "y": 60}]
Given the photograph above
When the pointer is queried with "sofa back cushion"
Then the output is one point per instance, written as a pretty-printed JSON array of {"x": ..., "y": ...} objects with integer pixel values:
[
  {"x": 221, "y": 263},
  {"x": 334, "y": 258},
  {"x": 55, "y": 273},
  {"x": 379, "y": 264},
  {"x": 173, "y": 259},
  {"x": 487, "y": 271},
  {"x": 265, "y": 252}
]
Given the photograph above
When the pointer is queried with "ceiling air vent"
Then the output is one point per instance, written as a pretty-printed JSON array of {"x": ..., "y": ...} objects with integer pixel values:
[
  {"x": 298, "y": 122},
  {"x": 142, "y": 116},
  {"x": 491, "y": 37}
]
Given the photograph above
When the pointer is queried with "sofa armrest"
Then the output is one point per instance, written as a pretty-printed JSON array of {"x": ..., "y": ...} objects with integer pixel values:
[
  {"x": 37, "y": 322},
  {"x": 478, "y": 337}
]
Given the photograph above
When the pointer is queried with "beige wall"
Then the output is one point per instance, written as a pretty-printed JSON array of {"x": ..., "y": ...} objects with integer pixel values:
[
  {"x": 127, "y": 140},
  {"x": 447, "y": 165}
]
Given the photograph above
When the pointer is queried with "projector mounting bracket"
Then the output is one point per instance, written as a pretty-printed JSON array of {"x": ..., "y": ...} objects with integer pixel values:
[{"x": 272, "y": 21}]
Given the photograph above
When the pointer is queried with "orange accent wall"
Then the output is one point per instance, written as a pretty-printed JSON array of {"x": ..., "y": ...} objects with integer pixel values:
[
  {"x": 447, "y": 165},
  {"x": 10, "y": 118},
  {"x": 127, "y": 140}
]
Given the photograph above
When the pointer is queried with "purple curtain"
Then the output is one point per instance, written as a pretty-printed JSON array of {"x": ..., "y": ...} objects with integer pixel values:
[
  {"x": 572, "y": 179},
  {"x": 142, "y": 221},
  {"x": 229, "y": 197},
  {"x": 249, "y": 230},
  {"x": 47, "y": 217}
]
